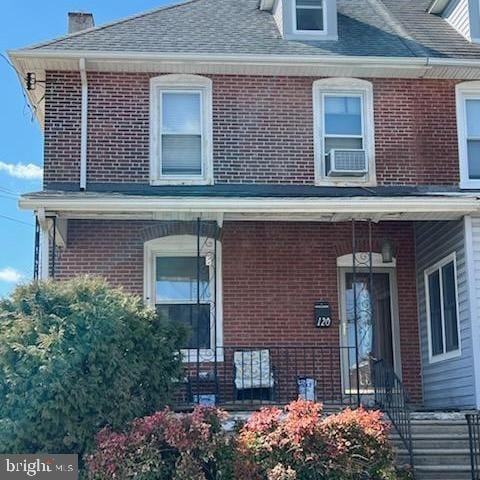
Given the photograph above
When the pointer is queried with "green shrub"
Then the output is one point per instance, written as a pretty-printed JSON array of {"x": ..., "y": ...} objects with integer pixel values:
[{"x": 76, "y": 356}]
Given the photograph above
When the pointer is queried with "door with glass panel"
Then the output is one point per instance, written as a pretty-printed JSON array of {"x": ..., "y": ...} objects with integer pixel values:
[
  {"x": 367, "y": 307},
  {"x": 183, "y": 295}
]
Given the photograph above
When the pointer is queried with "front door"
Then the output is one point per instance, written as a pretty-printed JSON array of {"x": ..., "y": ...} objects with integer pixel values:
[{"x": 372, "y": 300}]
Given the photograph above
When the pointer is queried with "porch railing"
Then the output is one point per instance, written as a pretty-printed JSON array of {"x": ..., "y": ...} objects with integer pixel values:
[
  {"x": 392, "y": 398},
  {"x": 243, "y": 377},
  {"x": 473, "y": 420}
]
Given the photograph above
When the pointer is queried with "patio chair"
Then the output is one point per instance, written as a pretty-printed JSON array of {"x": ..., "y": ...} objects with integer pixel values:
[{"x": 254, "y": 377}]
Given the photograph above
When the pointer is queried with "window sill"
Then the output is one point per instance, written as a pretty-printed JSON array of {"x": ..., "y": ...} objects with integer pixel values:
[
  {"x": 202, "y": 355},
  {"x": 470, "y": 184},
  {"x": 444, "y": 357},
  {"x": 181, "y": 181},
  {"x": 310, "y": 35},
  {"x": 345, "y": 182}
]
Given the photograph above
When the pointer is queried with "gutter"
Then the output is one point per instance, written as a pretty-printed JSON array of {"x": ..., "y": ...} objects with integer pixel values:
[
  {"x": 84, "y": 126},
  {"x": 137, "y": 57},
  {"x": 122, "y": 204}
]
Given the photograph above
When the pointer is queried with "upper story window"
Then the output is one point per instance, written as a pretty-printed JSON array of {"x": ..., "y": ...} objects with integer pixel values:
[
  {"x": 344, "y": 132},
  {"x": 309, "y": 16},
  {"x": 442, "y": 310},
  {"x": 181, "y": 130},
  {"x": 468, "y": 120}
]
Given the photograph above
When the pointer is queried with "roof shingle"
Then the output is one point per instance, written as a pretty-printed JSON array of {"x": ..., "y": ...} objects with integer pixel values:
[{"x": 383, "y": 28}]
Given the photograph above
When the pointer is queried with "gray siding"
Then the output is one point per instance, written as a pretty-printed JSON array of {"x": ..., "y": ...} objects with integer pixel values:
[
  {"x": 448, "y": 383},
  {"x": 457, "y": 15}
]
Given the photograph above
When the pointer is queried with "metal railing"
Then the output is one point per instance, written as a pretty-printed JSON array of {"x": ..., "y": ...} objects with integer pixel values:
[
  {"x": 243, "y": 377},
  {"x": 391, "y": 397},
  {"x": 473, "y": 420}
]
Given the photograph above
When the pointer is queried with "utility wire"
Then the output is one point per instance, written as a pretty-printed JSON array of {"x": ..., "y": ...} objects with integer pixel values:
[
  {"x": 32, "y": 107},
  {"x": 6, "y": 217}
]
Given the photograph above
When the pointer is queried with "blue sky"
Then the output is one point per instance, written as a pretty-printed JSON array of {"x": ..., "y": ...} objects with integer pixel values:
[{"x": 24, "y": 23}]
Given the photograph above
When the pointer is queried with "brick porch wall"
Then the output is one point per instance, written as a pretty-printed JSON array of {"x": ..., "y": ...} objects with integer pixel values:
[
  {"x": 272, "y": 275},
  {"x": 262, "y": 129}
]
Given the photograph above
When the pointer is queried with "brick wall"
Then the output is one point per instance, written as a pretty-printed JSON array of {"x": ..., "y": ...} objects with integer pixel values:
[
  {"x": 272, "y": 275},
  {"x": 263, "y": 129}
]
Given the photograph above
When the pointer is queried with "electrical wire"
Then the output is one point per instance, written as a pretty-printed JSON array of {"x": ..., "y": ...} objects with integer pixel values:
[
  {"x": 6, "y": 217},
  {"x": 30, "y": 105}
]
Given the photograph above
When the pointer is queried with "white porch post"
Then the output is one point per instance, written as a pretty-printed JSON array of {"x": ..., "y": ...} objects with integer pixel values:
[{"x": 44, "y": 250}]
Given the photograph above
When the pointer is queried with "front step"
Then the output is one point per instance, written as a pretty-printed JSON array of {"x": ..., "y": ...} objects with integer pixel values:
[
  {"x": 438, "y": 456},
  {"x": 443, "y": 472},
  {"x": 440, "y": 447}
]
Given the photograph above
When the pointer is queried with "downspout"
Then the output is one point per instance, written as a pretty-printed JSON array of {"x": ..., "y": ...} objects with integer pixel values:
[{"x": 84, "y": 126}]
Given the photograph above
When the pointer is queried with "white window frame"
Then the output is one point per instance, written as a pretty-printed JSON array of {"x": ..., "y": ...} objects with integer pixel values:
[
  {"x": 429, "y": 271},
  {"x": 465, "y": 91},
  {"x": 181, "y": 84},
  {"x": 186, "y": 246},
  {"x": 309, "y": 32},
  {"x": 344, "y": 87}
]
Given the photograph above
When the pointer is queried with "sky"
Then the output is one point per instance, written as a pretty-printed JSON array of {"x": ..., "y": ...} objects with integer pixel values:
[{"x": 24, "y": 23}]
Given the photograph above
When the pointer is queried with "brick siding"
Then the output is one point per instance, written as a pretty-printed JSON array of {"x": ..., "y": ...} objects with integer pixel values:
[
  {"x": 263, "y": 129},
  {"x": 273, "y": 272}
]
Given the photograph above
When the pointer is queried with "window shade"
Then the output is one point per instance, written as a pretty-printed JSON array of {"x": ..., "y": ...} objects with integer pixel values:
[{"x": 181, "y": 155}]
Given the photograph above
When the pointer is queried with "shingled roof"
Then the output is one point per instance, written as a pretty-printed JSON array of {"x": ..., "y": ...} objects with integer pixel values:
[{"x": 383, "y": 28}]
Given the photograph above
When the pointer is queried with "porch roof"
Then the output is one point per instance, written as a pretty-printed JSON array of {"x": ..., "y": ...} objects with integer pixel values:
[{"x": 253, "y": 202}]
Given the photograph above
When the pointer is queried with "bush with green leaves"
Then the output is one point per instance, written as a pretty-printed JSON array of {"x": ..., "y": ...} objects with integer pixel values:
[{"x": 76, "y": 356}]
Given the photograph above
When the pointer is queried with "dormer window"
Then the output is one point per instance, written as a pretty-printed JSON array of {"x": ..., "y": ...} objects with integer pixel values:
[
  {"x": 309, "y": 16},
  {"x": 304, "y": 20}
]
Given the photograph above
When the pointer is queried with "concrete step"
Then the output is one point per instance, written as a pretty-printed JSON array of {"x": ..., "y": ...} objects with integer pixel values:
[
  {"x": 443, "y": 472},
  {"x": 433, "y": 441},
  {"x": 456, "y": 427},
  {"x": 436, "y": 456}
]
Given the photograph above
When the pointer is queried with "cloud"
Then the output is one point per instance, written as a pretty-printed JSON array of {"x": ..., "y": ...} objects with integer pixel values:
[
  {"x": 10, "y": 275},
  {"x": 19, "y": 170}
]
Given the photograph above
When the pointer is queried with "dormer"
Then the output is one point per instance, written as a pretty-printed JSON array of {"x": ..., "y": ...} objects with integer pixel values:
[
  {"x": 304, "y": 20},
  {"x": 463, "y": 15}
]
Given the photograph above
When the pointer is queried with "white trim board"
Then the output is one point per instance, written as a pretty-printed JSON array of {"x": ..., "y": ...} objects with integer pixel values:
[
  {"x": 470, "y": 261},
  {"x": 433, "y": 207}
]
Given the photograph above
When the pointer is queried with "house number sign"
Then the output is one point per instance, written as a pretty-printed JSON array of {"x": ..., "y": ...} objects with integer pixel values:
[{"x": 323, "y": 315}]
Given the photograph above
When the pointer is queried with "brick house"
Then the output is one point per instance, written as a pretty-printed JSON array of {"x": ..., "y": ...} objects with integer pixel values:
[{"x": 296, "y": 180}]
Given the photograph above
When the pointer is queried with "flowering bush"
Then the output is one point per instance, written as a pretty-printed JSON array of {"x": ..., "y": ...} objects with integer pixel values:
[
  {"x": 291, "y": 444},
  {"x": 297, "y": 444},
  {"x": 165, "y": 446}
]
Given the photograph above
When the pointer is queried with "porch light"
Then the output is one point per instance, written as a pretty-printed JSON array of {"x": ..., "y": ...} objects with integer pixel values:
[{"x": 388, "y": 251}]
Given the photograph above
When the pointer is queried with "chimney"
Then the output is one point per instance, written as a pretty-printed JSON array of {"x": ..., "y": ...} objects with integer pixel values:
[{"x": 78, "y": 21}]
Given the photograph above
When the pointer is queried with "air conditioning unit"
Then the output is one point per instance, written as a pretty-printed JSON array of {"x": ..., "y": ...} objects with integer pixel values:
[{"x": 346, "y": 163}]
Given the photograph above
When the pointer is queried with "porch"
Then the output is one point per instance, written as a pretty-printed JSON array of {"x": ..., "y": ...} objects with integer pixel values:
[
  {"x": 275, "y": 310},
  {"x": 248, "y": 276}
]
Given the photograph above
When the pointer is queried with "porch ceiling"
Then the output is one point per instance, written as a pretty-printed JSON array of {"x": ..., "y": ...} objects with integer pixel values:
[{"x": 329, "y": 209}]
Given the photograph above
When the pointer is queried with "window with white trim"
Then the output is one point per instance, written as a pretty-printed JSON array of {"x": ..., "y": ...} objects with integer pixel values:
[
  {"x": 181, "y": 285},
  {"x": 309, "y": 16},
  {"x": 181, "y": 123},
  {"x": 344, "y": 132},
  {"x": 472, "y": 133},
  {"x": 442, "y": 310},
  {"x": 468, "y": 120}
]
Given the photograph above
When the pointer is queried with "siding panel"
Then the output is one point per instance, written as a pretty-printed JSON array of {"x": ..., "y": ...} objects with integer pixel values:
[
  {"x": 449, "y": 383},
  {"x": 457, "y": 15}
]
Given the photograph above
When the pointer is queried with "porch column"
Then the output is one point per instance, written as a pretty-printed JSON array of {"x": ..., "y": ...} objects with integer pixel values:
[{"x": 44, "y": 247}]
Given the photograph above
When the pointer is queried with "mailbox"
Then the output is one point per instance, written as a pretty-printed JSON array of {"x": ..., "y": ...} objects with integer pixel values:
[{"x": 323, "y": 315}]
